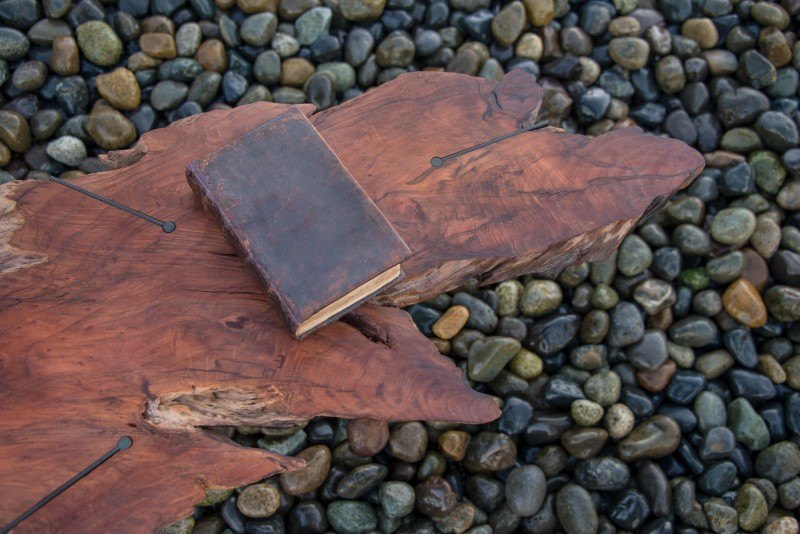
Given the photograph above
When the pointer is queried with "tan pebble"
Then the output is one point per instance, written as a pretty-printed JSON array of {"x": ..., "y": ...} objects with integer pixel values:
[
  {"x": 451, "y": 323},
  {"x": 743, "y": 302}
]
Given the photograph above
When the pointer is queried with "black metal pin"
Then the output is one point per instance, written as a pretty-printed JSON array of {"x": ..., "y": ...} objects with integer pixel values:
[
  {"x": 167, "y": 226},
  {"x": 439, "y": 161},
  {"x": 124, "y": 443}
]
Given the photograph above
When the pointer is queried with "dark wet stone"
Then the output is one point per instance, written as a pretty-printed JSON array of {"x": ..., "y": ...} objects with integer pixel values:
[
  {"x": 638, "y": 401},
  {"x": 627, "y": 325},
  {"x": 516, "y": 416},
  {"x": 739, "y": 180},
  {"x": 694, "y": 331},
  {"x": 656, "y": 487},
  {"x": 708, "y": 132},
  {"x": 757, "y": 69},
  {"x": 751, "y": 385},
  {"x": 547, "y": 427},
  {"x": 656, "y": 437},
  {"x": 630, "y": 510},
  {"x": 560, "y": 392},
  {"x": 780, "y": 462},
  {"x": 680, "y": 126},
  {"x": 685, "y": 418},
  {"x": 481, "y": 316},
  {"x": 490, "y": 451},
  {"x": 576, "y": 510},
  {"x": 424, "y": 317},
  {"x": 685, "y": 386},
  {"x": 602, "y": 474},
  {"x": 525, "y": 490},
  {"x": 487, "y": 493},
  {"x": 544, "y": 520},
  {"x": 552, "y": 335},
  {"x": 72, "y": 95},
  {"x": 717, "y": 444},
  {"x": 741, "y": 346},
  {"x": 435, "y": 497},
  {"x": 650, "y": 114},
  {"x": 361, "y": 480},
  {"x": 233, "y": 517},
  {"x": 793, "y": 413},
  {"x": 777, "y": 131},
  {"x": 650, "y": 352},
  {"x": 718, "y": 478},
  {"x": 741, "y": 107},
  {"x": 307, "y": 516}
]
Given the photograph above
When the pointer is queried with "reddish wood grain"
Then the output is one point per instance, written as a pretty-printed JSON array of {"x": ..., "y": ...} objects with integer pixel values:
[
  {"x": 111, "y": 327},
  {"x": 116, "y": 328},
  {"x": 535, "y": 202}
]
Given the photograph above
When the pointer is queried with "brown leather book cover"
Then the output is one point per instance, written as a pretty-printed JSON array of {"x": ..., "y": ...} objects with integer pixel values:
[{"x": 299, "y": 219}]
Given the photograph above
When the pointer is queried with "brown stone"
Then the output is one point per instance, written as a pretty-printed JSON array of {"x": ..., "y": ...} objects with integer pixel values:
[
  {"x": 756, "y": 270},
  {"x": 295, "y": 71},
  {"x": 722, "y": 159},
  {"x": 583, "y": 443},
  {"x": 14, "y": 131},
  {"x": 657, "y": 380},
  {"x": 158, "y": 24},
  {"x": 259, "y": 500},
  {"x": 442, "y": 345},
  {"x": 540, "y": 12},
  {"x": 701, "y": 30},
  {"x": 120, "y": 89},
  {"x": 367, "y": 437},
  {"x": 435, "y": 497},
  {"x": 743, "y": 302},
  {"x": 291, "y": 9},
  {"x": 141, "y": 61},
  {"x": 656, "y": 437},
  {"x": 453, "y": 444},
  {"x": 65, "y": 59},
  {"x": 158, "y": 45},
  {"x": 211, "y": 55},
  {"x": 257, "y": 6},
  {"x": 110, "y": 129},
  {"x": 451, "y": 323},
  {"x": 318, "y": 464},
  {"x": 772, "y": 43},
  {"x": 770, "y": 367},
  {"x": 408, "y": 441},
  {"x": 5, "y": 154}
]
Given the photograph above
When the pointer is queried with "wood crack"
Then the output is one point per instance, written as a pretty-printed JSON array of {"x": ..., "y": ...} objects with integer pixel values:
[{"x": 13, "y": 259}]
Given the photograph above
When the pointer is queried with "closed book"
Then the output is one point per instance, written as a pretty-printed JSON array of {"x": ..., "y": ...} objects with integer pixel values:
[{"x": 294, "y": 213}]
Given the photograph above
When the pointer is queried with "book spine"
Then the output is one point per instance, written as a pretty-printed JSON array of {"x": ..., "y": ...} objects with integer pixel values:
[{"x": 194, "y": 176}]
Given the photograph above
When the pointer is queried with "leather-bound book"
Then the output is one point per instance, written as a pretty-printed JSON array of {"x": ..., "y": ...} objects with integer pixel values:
[{"x": 294, "y": 213}]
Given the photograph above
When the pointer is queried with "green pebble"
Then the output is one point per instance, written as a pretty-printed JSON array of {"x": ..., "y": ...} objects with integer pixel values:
[
  {"x": 353, "y": 517},
  {"x": 99, "y": 43},
  {"x": 769, "y": 171},
  {"x": 487, "y": 357},
  {"x": 695, "y": 279},
  {"x": 733, "y": 226},
  {"x": 748, "y": 427}
]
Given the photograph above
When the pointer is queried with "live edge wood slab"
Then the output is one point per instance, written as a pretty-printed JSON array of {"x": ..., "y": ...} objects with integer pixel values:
[{"x": 113, "y": 328}]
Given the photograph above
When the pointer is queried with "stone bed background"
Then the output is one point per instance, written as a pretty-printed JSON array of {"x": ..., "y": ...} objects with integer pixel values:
[{"x": 657, "y": 391}]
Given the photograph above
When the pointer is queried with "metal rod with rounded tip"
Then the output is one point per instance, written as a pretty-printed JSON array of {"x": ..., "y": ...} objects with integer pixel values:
[
  {"x": 124, "y": 443},
  {"x": 167, "y": 226},
  {"x": 438, "y": 161}
]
